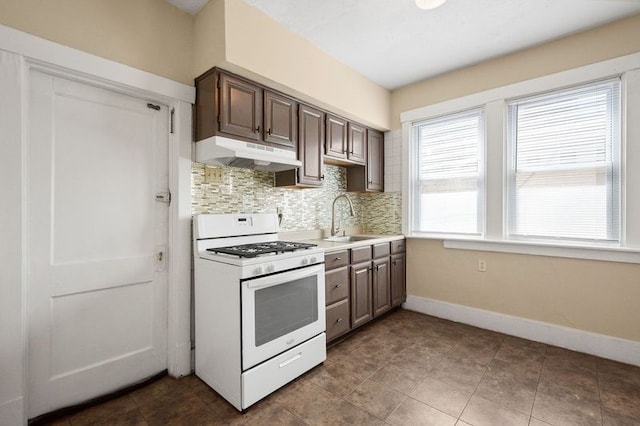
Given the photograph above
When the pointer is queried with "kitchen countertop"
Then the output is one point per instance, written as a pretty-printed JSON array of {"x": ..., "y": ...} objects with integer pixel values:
[{"x": 330, "y": 246}]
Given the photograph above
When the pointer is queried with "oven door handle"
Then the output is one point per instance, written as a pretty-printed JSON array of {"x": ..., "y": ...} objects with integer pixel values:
[{"x": 284, "y": 277}]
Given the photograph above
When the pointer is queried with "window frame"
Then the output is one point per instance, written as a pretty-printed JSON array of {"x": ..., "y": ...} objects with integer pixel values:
[
  {"x": 612, "y": 177},
  {"x": 494, "y": 102},
  {"x": 480, "y": 184}
]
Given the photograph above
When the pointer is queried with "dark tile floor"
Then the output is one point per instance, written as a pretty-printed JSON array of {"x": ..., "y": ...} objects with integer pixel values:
[{"x": 409, "y": 369}]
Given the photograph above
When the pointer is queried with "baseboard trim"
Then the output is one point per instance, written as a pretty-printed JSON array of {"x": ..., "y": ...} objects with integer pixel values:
[
  {"x": 617, "y": 349},
  {"x": 12, "y": 412}
]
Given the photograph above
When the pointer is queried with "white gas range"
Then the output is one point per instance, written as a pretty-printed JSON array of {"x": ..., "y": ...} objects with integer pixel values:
[{"x": 259, "y": 306}]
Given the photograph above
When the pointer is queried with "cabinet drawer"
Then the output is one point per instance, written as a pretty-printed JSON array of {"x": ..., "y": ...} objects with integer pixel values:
[
  {"x": 398, "y": 246},
  {"x": 337, "y": 319},
  {"x": 335, "y": 259},
  {"x": 336, "y": 285},
  {"x": 380, "y": 250},
  {"x": 360, "y": 254}
]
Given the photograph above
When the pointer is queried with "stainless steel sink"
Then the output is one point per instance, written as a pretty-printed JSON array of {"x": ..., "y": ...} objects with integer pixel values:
[{"x": 348, "y": 238}]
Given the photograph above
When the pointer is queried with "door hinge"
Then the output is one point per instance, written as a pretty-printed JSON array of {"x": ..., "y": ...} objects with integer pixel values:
[
  {"x": 152, "y": 106},
  {"x": 163, "y": 197},
  {"x": 173, "y": 120}
]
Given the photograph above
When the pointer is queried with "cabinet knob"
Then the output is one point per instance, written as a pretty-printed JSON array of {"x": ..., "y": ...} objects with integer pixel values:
[
  {"x": 337, "y": 286},
  {"x": 336, "y": 259},
  {"x": 269, "y": 132},
  {"x": 258, "y": 129},
  {"x": 339, "y": 320}
]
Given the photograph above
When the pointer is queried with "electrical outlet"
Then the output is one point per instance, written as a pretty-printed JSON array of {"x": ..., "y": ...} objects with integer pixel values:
[
  {"x": 482, "y": 266},
  {"x": 213, "y": 174}
]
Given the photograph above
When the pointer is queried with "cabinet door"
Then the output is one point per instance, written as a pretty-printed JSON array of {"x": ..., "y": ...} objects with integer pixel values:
[
  {"x": 375, "y": 161},
  {"x": 398, "y": 279},
  {"x": 361, "y": 305},
  {"x": 311, "y": 124},
  {"x": 381, "y": 286},
  {"x": 336, "y": 137},
  {"x": 357, "y": 141},
  {"x": 280, "y": 120},
  {"x": 240, "y": 108}
]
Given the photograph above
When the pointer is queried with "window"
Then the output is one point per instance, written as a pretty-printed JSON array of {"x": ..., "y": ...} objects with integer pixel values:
[
  {"x": 564, "y": 165},
  {"x": 449, "y": 190}
]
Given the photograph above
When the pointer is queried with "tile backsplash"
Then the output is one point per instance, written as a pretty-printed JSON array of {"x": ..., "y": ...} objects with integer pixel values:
[{"x": 248, "y": 191}]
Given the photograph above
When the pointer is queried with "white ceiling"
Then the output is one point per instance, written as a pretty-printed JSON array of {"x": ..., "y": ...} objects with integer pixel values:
[{"x": 394, "y": 43}]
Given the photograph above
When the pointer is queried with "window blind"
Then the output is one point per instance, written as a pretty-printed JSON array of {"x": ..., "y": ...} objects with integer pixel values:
[
  {"x": 449, "y": 188},
  {"x": 564, "y": 174}
]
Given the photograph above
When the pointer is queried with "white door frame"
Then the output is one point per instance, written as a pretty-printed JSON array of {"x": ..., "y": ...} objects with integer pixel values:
[{"x": 53, "y": 58}]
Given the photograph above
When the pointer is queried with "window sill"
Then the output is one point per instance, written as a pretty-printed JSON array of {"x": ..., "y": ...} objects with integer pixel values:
[{"x": 608, "y": 254}]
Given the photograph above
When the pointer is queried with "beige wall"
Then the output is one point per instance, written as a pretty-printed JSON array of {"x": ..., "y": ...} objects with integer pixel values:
[
  {"x": 150, "y": 35},
  {"x": 209, "y": 37},
  {"x": 595, "y": 296},
  {"x": 257, "y": 47},
  {"x": 600, "y": 297},
  {"x": 606, "y": 42}
]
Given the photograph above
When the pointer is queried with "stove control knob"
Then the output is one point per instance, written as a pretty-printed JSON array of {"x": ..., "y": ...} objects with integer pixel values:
[
  {"x": 313, "y": 259},
  {"x": 258, "y": 270},
  {"x": 305, "y": 260},
  {"x": 270, "y": 268}
]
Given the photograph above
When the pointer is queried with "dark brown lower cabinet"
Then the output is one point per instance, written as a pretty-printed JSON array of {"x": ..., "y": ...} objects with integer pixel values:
[
  {"x": 398, "y": 279},
  {"x": 381, "y": 287},
  {"x": 361, "y": 305},
  {"x": 363, "y": 283}
]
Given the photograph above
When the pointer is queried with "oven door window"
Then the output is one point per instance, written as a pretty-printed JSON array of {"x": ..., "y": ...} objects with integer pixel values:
[{"x": 284, "y": 308}]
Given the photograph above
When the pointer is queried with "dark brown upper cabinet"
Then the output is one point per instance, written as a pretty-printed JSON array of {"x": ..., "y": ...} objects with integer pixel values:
[
  {"x": 369, "y": 178},
  {"x": 280, "y": 120},
  {"x": 336, "y": 137},
  {"x": 310, "y": 143},
  {"x": 357, "y": 143},
  {"x": 232, "y": 106},
  {"x": 375, "y": 161},
  {"x": 240, "y": 108},
  {"x": 345, "y": 143}
]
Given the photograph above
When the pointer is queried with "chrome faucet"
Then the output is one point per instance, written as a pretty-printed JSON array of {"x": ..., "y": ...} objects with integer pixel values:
[{"x": 334, "y": 228}]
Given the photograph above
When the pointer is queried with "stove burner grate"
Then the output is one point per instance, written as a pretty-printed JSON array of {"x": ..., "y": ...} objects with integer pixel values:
[{"x": 257, "y": 249}]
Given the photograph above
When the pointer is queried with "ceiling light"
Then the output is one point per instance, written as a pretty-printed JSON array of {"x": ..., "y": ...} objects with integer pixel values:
[{"x": 429, "y": 4}]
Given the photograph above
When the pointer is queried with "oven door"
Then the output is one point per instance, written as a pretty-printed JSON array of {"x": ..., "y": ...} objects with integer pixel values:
[{"x": 280, "y": 311}]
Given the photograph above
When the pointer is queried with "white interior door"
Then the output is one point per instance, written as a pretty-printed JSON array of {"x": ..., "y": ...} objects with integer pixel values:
[{"x": 97, "y": 291}]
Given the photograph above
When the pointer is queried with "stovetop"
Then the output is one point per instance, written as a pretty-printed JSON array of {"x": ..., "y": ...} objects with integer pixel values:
[{"x": 257, "y": 249}]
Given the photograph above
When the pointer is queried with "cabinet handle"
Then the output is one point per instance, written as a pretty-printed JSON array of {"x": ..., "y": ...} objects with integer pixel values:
[
  {"x": 370, "y": 182},
  {"x": 269, "y": 132},
  {"x": 337, "y": 286},
  {"x": 322, "y": 177},
  {"x": 258, "y": 129},
  {"x": 401, "y": 246},
  {"x": 339, "y": 320},
  {"x": 394, "y": 262},
  {"x": 337, "y": 258}
]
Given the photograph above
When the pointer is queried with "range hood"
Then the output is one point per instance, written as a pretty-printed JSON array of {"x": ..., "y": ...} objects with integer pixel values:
[{"x": 231, "y": 152}]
